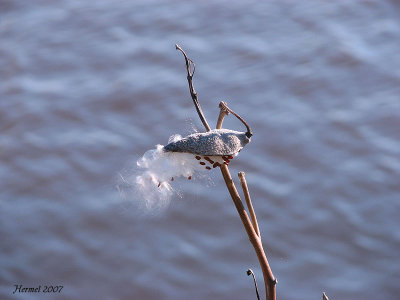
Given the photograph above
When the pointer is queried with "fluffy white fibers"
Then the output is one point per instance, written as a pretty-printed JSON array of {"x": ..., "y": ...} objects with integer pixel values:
[{"x": 156, "y": 169}]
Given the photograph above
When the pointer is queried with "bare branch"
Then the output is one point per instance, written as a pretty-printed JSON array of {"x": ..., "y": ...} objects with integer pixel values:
[
  {"x": 222, "y": 113},
  {"x": 190, "y": 67},
  {"x": 269, "y": 280},
  {"x": 250, "y": 272},
  {"x": 254, "y": 236},
  {"x": 324, "y": 296},
  {"x": 224, "y": 107},
  {"x": 248, "y": 202}
]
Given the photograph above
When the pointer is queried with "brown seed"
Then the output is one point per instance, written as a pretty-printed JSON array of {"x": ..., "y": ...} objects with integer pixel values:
[
  {"x": 159, "y": 184},
  {"x": 172, "y": 178},
  {"x": 198, "y": 157},
  {"x": 190, "y": 177},
  {"x": 208, "y": 159},
  {"x": 217, "y": 164},
  {"x": 208, "y": 168},
  {"x": 202, "y": 163}
]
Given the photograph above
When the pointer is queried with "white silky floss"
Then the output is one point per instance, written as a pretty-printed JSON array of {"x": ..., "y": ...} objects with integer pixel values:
[
  {"x": 157, "y": 168},
  {"x": 184, "y": 157}
]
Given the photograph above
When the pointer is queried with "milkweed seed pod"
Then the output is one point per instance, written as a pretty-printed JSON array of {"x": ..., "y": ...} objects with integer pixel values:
[
  {"x": 214, "y": 142},
  {"x": 211, "y": 148}
]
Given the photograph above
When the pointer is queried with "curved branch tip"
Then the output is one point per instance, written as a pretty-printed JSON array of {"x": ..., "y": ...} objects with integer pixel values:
[{"x": 190, "y": 68}]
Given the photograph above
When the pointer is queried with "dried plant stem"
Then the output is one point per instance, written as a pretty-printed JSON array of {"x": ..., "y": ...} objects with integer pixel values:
[
  {"x": 227, "y": 110},
  {"x": 251, "y": 228},
  {"x": 250, "y": 272},
  {"x": 222, "y": 113},
  {"x": 324, "y": 296},
  {"x": 248, "y": 202},
  {"x": 269, "y": 279},
  {"x": 190, "y": 68}
]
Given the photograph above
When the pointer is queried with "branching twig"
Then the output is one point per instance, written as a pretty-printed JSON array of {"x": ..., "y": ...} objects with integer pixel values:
[
  {"x": 222, "y": 113},
  {"x": 225, "y": 108},
  {"x": 190, "y": 73},
  {"x": 269, "y": 279},
  {"x": 248, "y": 202}
]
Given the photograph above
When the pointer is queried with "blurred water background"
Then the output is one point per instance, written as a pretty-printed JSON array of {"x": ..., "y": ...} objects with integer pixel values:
[{"x": 88, "y": 86}]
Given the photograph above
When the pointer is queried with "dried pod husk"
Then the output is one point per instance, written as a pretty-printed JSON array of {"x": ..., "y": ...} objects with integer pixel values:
[{"x": 214, "y": 142}]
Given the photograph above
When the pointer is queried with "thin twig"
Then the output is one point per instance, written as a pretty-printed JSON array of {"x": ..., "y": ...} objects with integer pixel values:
[
  {"x": 193, "y": 93},
  {"x": 222, "y": 113},
  {"x": 250, "y": 272},
  {"x": 223, "y": 106},
  {"x": 248, "y": 202},
  {"x": 324, "y": 296},
  {"x": 269, "y": 280}
]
